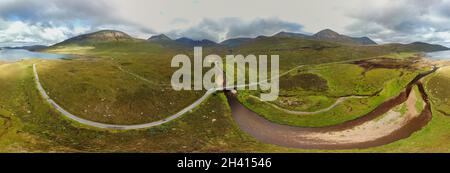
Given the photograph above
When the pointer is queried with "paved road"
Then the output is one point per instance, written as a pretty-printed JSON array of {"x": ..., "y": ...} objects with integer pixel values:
[
  {"x": 127, "y": 127},
  {"x": 114, "y": 126}
]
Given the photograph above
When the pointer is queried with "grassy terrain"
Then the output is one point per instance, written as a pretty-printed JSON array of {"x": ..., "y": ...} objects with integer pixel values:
[
  {"x": 439, "y": 90},
  {"x": 101, "y": 84},
  {"x": 38, "y": 128},
  {"x": 336, "y": 80},
  {"x": 43, "y": 130},
  {"x": 94, "y": 87},
  {"x": 433, "y": 138},
  {"x": 99, "y": 91},
  {"x": 294, "y": 52}
]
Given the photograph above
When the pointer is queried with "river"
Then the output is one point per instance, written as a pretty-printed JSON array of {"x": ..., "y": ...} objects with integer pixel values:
[{"x": 298, "y": 137}]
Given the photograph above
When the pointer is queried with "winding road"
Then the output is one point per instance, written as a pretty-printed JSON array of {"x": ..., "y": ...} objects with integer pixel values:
[
  {"x": 83, "y": 121},
  {"x": 115, "y": 126},
  {"x": 352, "y": 134}
]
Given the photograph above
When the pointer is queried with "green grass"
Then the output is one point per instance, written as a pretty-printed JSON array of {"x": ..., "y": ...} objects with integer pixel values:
[
  {"x": 420, "y": 104},
  {"x": 400, "y": 55},
  {"x": 439, "y": 90},
  {"x": 93, "y": 87},
  {"x": 99, "y": 91},
  {"x": 294, "y": 52},
  {"x": 44, "y": 130},
  {"x": 343, "y": 80},
  {"x": 93, "y": 79}
]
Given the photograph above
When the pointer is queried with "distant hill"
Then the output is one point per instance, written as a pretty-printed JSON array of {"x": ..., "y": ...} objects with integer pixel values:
[
  {"x": 190, "y": 42},
  {"x": 157, "y": 38},
  {"x": 285, "y": 42},
  {"x": 330, "y": 35},
  {"x": 291, "y": 35},
  {"x": 415, "y": 46},
  {"x": 234, "y": 42},
  {"x": 426, "y": 47},
  {"x": 99, "y": 36}
]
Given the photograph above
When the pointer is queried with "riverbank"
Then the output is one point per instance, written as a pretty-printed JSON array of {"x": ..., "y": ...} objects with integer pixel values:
[{"x": 342, "y": 136}]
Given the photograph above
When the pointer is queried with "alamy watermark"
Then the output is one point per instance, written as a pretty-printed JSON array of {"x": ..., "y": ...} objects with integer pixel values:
[{"x": 236, "y": 73}]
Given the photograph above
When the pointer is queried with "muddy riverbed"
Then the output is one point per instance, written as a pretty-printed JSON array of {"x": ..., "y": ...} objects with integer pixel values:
[{"x": 342, "y": 136}]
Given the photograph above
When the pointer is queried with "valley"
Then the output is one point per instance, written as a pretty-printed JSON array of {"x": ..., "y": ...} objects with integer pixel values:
[{"x": 348, "y": 94}]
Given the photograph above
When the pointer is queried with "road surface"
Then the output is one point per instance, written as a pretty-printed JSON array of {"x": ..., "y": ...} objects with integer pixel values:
[{"x": 115, "y": 126}]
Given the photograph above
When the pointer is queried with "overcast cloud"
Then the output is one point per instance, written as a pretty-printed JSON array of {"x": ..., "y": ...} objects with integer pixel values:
[
  {"x": 404, "y": 21},
  {"x": 50, "y": 21},
  {"x": 221, "y": 29}
]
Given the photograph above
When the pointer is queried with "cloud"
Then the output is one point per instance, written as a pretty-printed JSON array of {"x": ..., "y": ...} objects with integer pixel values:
[
  {"x": 404, "y": 21},
  {"x": 51, "y": 21},
  {"x": 225, "y": 28},
  {"x": 56, "y": 12},
  {"x": 19, "y": 32}
]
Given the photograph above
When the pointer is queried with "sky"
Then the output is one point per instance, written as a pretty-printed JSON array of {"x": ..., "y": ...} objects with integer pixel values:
[{"x": 30, "y": 22}]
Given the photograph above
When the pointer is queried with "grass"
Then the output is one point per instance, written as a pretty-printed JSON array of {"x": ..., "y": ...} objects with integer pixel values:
[
  {"x": 294, "y": 52},
  {"x": 439, "y": 90},
  {"x": 209, "y": 128},
  {"x": 433, "y": 138},
  {"x": 101, "y": 83},
  {"x": 99, "y": 91},
  {"x": 400, "y": 55},
  {"x": 342, "y": 80},
  {"x": 43, "y": 130},
  {"x": 420, "y": 104},
  {"x": 93, "y": 77}
]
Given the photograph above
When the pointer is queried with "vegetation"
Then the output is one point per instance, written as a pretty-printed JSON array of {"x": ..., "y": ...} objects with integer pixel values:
[
  {"x": 375, "y": 87},
  {"x": 124, "y": 82},
  {"x": 439, "y": 91},
  {"x": 38, "y": 128},
  {"x": 101, "y": 83}
]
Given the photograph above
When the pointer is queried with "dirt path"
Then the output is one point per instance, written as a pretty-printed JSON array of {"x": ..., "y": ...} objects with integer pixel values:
[{"x": 144, "y": 79}]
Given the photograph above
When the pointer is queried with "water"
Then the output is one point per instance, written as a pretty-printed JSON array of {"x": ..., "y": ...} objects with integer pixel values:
[
  {"x": 440, "y": 55},
  {"x": 12, "y": 55}
]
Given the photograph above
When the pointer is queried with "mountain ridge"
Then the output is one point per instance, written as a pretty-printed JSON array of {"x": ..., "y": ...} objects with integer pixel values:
[
  {"x": 99, "y": 36},
  {"x": 160, "y": 37},
  {"x": 330, "y": 35},
  {"x": 327, "y": 35},
  {"x": 191, "y": 42}
]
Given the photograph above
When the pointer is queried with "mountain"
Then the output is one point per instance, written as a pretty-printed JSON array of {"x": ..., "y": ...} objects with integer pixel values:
[
  {"x": 330, "y": 35},
  {"x": 160, "y": 37},
  {"x": 325, "y": 39},
  {"x": 235, "y": 42},
  {"x": 192, "y": 43},
  {"x": 99, "y": 36},
  {"x": 416, "y": 47},
  {"x": 426, "y": 47},
  {"x": 291, "y": 35}
]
